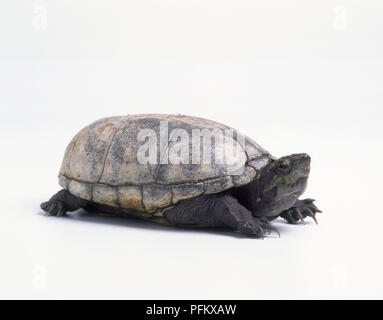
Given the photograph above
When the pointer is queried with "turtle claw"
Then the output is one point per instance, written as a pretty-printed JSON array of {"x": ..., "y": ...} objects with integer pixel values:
[
  {"x": 312, "y": 215},
  {"x": 267, "y": 227},
  {"x": 315, "y": 219},
  {"x": 298, "y": 213},
  {"x": 276, "y": 231}
]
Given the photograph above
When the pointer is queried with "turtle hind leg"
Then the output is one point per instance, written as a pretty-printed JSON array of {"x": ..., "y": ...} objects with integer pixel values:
[
  {"x": 62, "y": 202},
  {"x": 218, "y": 210}
]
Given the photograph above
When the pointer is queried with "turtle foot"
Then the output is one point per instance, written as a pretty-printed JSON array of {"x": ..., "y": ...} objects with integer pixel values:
[
  {"x": 53, "y": 208},
  {"x": 258, "y": 227},
  {"x": 61, "y": 202},
  {"x": 301, "y": 210}
]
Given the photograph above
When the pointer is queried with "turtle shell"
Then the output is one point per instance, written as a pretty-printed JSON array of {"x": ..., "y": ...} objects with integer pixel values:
[{"x": 101, "y": 162}]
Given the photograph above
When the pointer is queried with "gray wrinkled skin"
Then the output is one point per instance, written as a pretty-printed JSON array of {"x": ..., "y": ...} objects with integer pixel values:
[{"x": 100, "y": 165}]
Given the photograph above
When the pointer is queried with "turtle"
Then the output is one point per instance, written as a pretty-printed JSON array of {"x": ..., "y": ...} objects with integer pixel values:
[{"x": 153, "y": 167}]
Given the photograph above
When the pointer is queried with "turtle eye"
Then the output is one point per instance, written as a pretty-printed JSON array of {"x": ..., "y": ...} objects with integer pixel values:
[{"x": 283, "y": 166}]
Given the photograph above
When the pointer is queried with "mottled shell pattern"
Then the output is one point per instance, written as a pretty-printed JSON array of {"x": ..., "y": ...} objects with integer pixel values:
[{"x": 100, "y": 164}]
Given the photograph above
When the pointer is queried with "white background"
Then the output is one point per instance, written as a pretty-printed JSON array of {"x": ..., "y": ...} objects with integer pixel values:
[{"x": 296, "y": 76}]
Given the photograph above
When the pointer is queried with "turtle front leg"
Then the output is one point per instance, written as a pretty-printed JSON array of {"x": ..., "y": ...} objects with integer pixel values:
[
  {"x": 300, "y": 210},
  {"x": 61, "y": 202},
  {"x": 218, "y": 210}
]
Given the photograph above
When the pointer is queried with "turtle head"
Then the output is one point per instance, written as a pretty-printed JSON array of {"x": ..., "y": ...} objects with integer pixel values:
[{"x": 281, "y": 183}]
